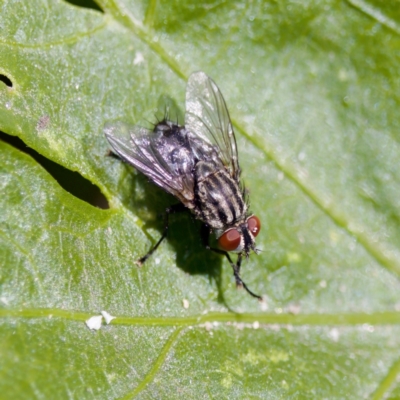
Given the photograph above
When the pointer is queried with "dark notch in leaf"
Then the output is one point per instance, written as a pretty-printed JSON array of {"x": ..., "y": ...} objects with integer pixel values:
[
  {"x": 71, "y": 181},
  {"x": 6, "y": 80},
  {"x": 85, "y": 4}
]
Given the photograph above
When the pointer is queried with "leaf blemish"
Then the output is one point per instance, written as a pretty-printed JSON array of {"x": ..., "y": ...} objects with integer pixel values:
[
  {"x": 90, "y": 4},
  {"x": 43, "y": 123},
  {"x": 71, "y": 181},
  {"x": 6, "y": 80}
]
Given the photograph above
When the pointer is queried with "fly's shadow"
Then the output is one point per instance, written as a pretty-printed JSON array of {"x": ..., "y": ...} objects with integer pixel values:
[
  {"x": 149, "y": 203},
  {"x": 184, "y": 232}
]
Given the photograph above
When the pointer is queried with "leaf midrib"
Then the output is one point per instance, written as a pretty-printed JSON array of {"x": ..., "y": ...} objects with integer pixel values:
[{"x": 312, "y": 319}]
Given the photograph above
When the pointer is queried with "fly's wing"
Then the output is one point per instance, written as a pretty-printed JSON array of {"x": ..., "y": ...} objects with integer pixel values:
[
  {"x": 138, "y": 147},
  {"x": 207, "y": 117}
]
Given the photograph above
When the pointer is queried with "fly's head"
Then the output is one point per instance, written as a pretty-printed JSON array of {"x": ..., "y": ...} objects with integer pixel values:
[
  {"x": 241, "y": 238},
  {"x": 167, "y": 128}
]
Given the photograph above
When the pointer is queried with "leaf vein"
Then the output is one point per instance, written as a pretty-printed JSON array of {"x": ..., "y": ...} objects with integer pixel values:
[
  {"x": 375, "y": 14},
  {"x": 386, "y": 384},
  {"x": 157, "y": 365},
  {"x": 65, "y": 40},
  {"x": 344, "y": 319}
]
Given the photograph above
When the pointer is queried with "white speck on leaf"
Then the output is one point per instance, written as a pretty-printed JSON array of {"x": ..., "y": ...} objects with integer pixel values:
[
  {"x": 294, "y": 309},
  {"x": 138, "y": 58},
  {"x": 107, "y": 317},
  {"x": 334, "y": 334},
  {"x": 208, "y": 326},
  {"x": 185, "y": 303},
  {"x": 264, "y": 305},
  {"x": 94, "y": 323},
  {"x": 301, "y": 156},
  {"x": 368, "y": 327}
]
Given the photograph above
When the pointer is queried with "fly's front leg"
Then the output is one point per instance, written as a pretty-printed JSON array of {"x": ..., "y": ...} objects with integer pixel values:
[
  {"x": 239, "y": 280},
  {"x": 205, "y": 236},
  {"x": 170, "y": 210}
]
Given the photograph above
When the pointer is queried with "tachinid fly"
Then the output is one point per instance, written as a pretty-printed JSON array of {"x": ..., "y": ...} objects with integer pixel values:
[{"x": 198, "y": 164}]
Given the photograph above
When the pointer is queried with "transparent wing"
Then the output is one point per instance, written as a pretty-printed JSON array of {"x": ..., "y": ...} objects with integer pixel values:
[
  {"x": 207, "y": 117},
  {"x": 138, "y": 147}
]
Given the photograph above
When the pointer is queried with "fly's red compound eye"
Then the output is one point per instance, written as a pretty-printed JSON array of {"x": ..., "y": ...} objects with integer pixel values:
[
  {"x": 254, "y": 225},
  {"x": 230, "y": 240}
]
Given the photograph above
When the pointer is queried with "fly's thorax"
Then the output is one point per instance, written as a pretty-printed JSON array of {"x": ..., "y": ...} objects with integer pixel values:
[{"x": 218, "y": 198}]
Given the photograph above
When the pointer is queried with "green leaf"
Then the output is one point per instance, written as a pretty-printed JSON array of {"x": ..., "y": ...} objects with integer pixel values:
[{"x": 312, "y": 89}]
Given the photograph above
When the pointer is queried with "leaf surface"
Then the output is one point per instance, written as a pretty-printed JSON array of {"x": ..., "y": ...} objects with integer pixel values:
[{"x": 312, "y": 88}]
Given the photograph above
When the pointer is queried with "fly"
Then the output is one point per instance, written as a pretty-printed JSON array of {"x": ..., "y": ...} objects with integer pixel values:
[{"x": 198, "y": 164}]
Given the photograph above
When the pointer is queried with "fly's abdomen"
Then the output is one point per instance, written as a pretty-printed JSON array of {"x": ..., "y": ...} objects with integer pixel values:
[{"x": 219, "y": 201}]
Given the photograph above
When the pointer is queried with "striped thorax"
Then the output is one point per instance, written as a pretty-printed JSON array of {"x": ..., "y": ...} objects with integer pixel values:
[
  {"x": 217, "y": 196},
  {"x": 220, "y": 203}
]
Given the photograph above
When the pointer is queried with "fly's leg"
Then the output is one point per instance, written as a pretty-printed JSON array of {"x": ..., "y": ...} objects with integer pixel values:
[
  {"x": 170, "y": 210},
  {"x": 205, "y": 236},
  {"x": 239, "y": 281}
]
